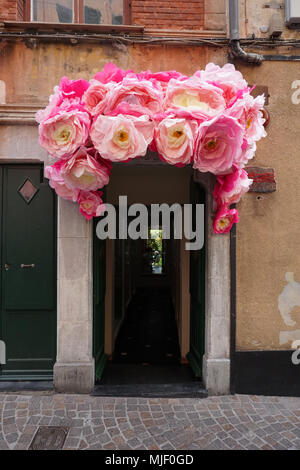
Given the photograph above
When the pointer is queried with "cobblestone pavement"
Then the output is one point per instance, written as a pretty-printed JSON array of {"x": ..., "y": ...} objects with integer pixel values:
[{"x": 227, "y": 422}]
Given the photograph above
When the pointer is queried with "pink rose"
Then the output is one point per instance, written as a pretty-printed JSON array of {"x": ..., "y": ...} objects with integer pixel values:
[
  {"x": 94, "y": 97},
  {"x": 62, "y": 134},
  {"x": 136, "y": 97},
  {"x": 248, "y": 152},
  {"x": 224, "y": 219},
  {"x": 54, "y": 101},
  {"x": 230, "y": 188},
  {"x": 162, "y": 78},
  {"x": 73, "y": 88},
  {"x": 57, "y": 105},
  {"x": 248, "y": 112},
  {"x": 67, "y": 95},
  {"x": 90, "y": 204},
  {"x": 175, "y": 140},
  {"x": 120, "y": 138},
  {"x": 57, "y": 182},
  {"x": 227, "y": 78},
  {"x": 85, "y": 172},
  {"x": 195, "y": 96},
  {"x": 112, "y": 73},
  {"x": 218, "y": 145}
]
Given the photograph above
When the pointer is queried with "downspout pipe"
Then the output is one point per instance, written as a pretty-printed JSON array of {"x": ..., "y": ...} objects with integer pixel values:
[{"x": 234, "y": 43}]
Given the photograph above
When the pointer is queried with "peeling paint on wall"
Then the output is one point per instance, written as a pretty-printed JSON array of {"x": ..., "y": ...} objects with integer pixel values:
[
  {"x": 289, "y": 337},
  {"x": 288, "y": 299},
  {"x": 2, "y": 92}
]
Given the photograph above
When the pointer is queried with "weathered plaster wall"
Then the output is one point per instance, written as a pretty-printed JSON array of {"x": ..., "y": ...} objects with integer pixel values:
[
  {"x": 21, "y": 142},
  {"x": 268, "y": 239},
  {"x": 256, "y": 18},
  {"x": 31, "y": 73}
]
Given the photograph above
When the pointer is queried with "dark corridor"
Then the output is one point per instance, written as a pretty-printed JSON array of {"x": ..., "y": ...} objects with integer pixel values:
[
  {"x": 146, "y": 359},
  {"x": 148, "y": 334}
]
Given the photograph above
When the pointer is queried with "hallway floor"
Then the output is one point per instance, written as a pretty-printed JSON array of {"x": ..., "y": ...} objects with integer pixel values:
[
  {"x": 147, "y": 351},
  {"x": 148, "y": 334},
  {"x": 225, "y": 422}
]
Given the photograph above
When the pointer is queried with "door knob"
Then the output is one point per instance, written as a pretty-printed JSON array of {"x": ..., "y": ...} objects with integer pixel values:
[{"x": 6, "y": 266}]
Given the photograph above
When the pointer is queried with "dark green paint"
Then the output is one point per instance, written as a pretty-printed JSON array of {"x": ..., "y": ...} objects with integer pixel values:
[
  {"x": 99, "y": 287},
  {"x": 197, "y": 296},
  {"x": 28, "y": 295}
]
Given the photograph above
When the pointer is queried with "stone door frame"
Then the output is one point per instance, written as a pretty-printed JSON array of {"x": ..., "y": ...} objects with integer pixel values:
[{"x": 74, "y": 369}]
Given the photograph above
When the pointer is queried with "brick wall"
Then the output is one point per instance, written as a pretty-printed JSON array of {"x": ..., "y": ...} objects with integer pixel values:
[
  {"x": 166, "y": 14},
  {"x": 12, "y": 10},
  {"x": 21, "y": 10},
  {"x": 157, "y": 14},
  {"x": 8, "y": 10}
]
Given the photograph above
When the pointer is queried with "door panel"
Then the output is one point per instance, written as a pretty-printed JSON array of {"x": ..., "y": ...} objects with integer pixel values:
[
  {"x": 28, "y": 272},
  {"x": 27, "y": 238},
  {"x": 197, "y": 295},
  {"x": 99, "y": 289}
]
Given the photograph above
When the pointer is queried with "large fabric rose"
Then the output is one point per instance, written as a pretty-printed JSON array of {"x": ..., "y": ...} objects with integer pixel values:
[
  {"x": 120, "y": 138},
  {"x": 162, "y": 78},
  {"x": 73, "y": 88},
  {"x": 209, "y": 119},
  {"x": 67, "y": 95},
  {"x": 230, "y": 188},
  {"x": 136, "y": 97},
  {"x": 248, "y": 111},
  {"x": 174, "y": 139},
  {"x": 218, "y": 145},
  {"x": 112, "y": 73},
  {"x": 196, "y": 96},
  {"x": 227, "y": 78},
  {"x": 224, "y": 220},
  {"x": 57, "y": 182},
  {"x": 62, "y": 134},
  {"x": 90, "y": 204},
  {"x": 248, "y": 152},
  {"x": 53, "y": 107},
  {"x": 85, "y": 172},
  {"x": 94, "y": 97}
]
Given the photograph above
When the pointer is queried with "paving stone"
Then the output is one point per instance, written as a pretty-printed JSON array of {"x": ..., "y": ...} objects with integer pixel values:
[
  {"x": 11, "y": 438},
  {"x": 134, "y": 442},
  {"x": 228, "y": 422},
  {"x": 71, "y": 442},
  {"x": 109, "y": 446},
  {"x": 11, "y": 428},
  {"x": 8, "y": 421},
  {"x": 3, "y": 445}
]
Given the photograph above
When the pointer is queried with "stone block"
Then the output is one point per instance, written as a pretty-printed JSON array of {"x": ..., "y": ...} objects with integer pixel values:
[
  {"x": 215, "y": 21},
  {"x": 74, "y": 377}
]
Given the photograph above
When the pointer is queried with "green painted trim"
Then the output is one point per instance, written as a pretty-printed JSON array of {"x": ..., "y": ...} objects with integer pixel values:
[
  {"x": 25, "y": 378},
  {"x": 195, "y": 363},
  {"x": 1, "y": 258},
  {"x": 100, "y": 362}
]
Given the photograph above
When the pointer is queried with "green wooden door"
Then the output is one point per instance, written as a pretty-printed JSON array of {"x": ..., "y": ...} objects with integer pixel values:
[
  {"x": 99, "y": 287},
  {"x": 197, "y": 295},
  {"x": 28, "y": 273}
]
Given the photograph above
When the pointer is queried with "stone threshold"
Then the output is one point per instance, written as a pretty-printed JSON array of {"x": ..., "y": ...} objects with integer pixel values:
[
  {"x": 26, "y": 386},
  {"x": 172, "y": 390}
]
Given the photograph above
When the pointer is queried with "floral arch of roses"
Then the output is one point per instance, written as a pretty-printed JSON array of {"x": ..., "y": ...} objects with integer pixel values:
[{"x": 209, "y": 120}]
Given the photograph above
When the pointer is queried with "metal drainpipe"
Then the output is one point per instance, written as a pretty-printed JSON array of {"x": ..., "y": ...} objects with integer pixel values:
[{"x": 235, "y": 45}]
